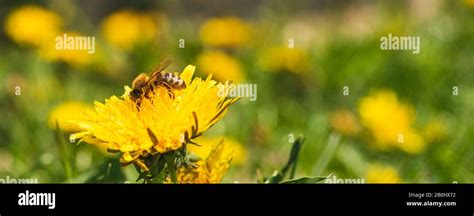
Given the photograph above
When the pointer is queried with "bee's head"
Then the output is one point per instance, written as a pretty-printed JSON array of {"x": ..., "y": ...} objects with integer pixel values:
[{"x": 136, "y": 93}]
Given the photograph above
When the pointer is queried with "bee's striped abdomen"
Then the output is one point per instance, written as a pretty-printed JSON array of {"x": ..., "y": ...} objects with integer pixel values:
[{"x": 172, "y": 80}]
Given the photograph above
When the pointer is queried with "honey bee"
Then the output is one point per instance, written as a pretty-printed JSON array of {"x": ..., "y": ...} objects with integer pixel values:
[{"x": 143, "y": 84}]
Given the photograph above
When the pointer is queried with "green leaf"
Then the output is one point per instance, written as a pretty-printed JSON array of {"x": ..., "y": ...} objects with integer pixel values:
[
  {"x": 159, "y": 179},
  {"x": 154, "y": 163},
  {"x": 142, "y": 175},
  {"x": 305, "y": 180},
  {"x": 108, "y": 171},
  {"x": 158, "y": 174},
  {"x": 170, "y": 163},
  {"x": 278, "y": 176}
]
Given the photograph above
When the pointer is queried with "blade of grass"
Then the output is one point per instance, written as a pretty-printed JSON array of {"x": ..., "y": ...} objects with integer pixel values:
[
  {"x": 305, "y": 180},
  {"x": 294, "y": 156},
  {"x": 63, "y": 153},
  {"x": 328, "y": 153}
]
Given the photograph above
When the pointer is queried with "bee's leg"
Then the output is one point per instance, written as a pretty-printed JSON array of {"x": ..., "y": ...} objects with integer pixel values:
[
  {"x": 170, "y": 93},
  {"x": 137, "y": 104},
  {"x": 149, "y": 89},
  {"x": 170, "y": 89}
]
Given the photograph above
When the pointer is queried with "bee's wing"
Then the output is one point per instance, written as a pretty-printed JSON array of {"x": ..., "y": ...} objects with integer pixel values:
[{"x": 164, "y": 63}]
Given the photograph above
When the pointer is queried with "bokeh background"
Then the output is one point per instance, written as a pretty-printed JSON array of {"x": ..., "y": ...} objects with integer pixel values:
[{"x": 380, "y": 116}]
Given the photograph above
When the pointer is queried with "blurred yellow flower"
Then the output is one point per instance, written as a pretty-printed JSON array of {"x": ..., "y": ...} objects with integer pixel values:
[
  {"x": 434, "y": 131},
  {"x": 233, "y": 147},
  {"x": 344, "y": 122},
  {"x": 221, "y": 65},
  {"x": 225, "y": 32},
  {"x": 124, "y": 29},
  {"x": 390, "y": 122},
  {"x": 33, "y": 25},
  {"x": 469, "y": 3},
  {"x": 208, "y": 170},
  {"x": 66, "y": 113},
  {"x": 76, "y": 57},
  {"x": 277, "y": 59},
  {"x": 412, "y": 143},
  {"x": 382, "y": 174},
  {"x": 160, "y": 124}
]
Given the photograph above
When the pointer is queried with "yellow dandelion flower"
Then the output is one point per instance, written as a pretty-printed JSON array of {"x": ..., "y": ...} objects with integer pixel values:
[
  {"x": 208, "y": 170},
  {"x": 225, "y": 32},
  {"x": 222, "y": 66},
  {"x": 66, "y": 113},
  {"x": 277, "y": 59},
  {"x": 76, "y": 57},
  {"x": 390, "y": 122},
  {"x": 160, "y": 124},
  {"x": 233, "y": 147},
  {"x": 33, "y": 25},
  {"x": 382, "y": 174},
  {"x": 344, "y": 122},
  {"x": 124, "y": 29}
]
